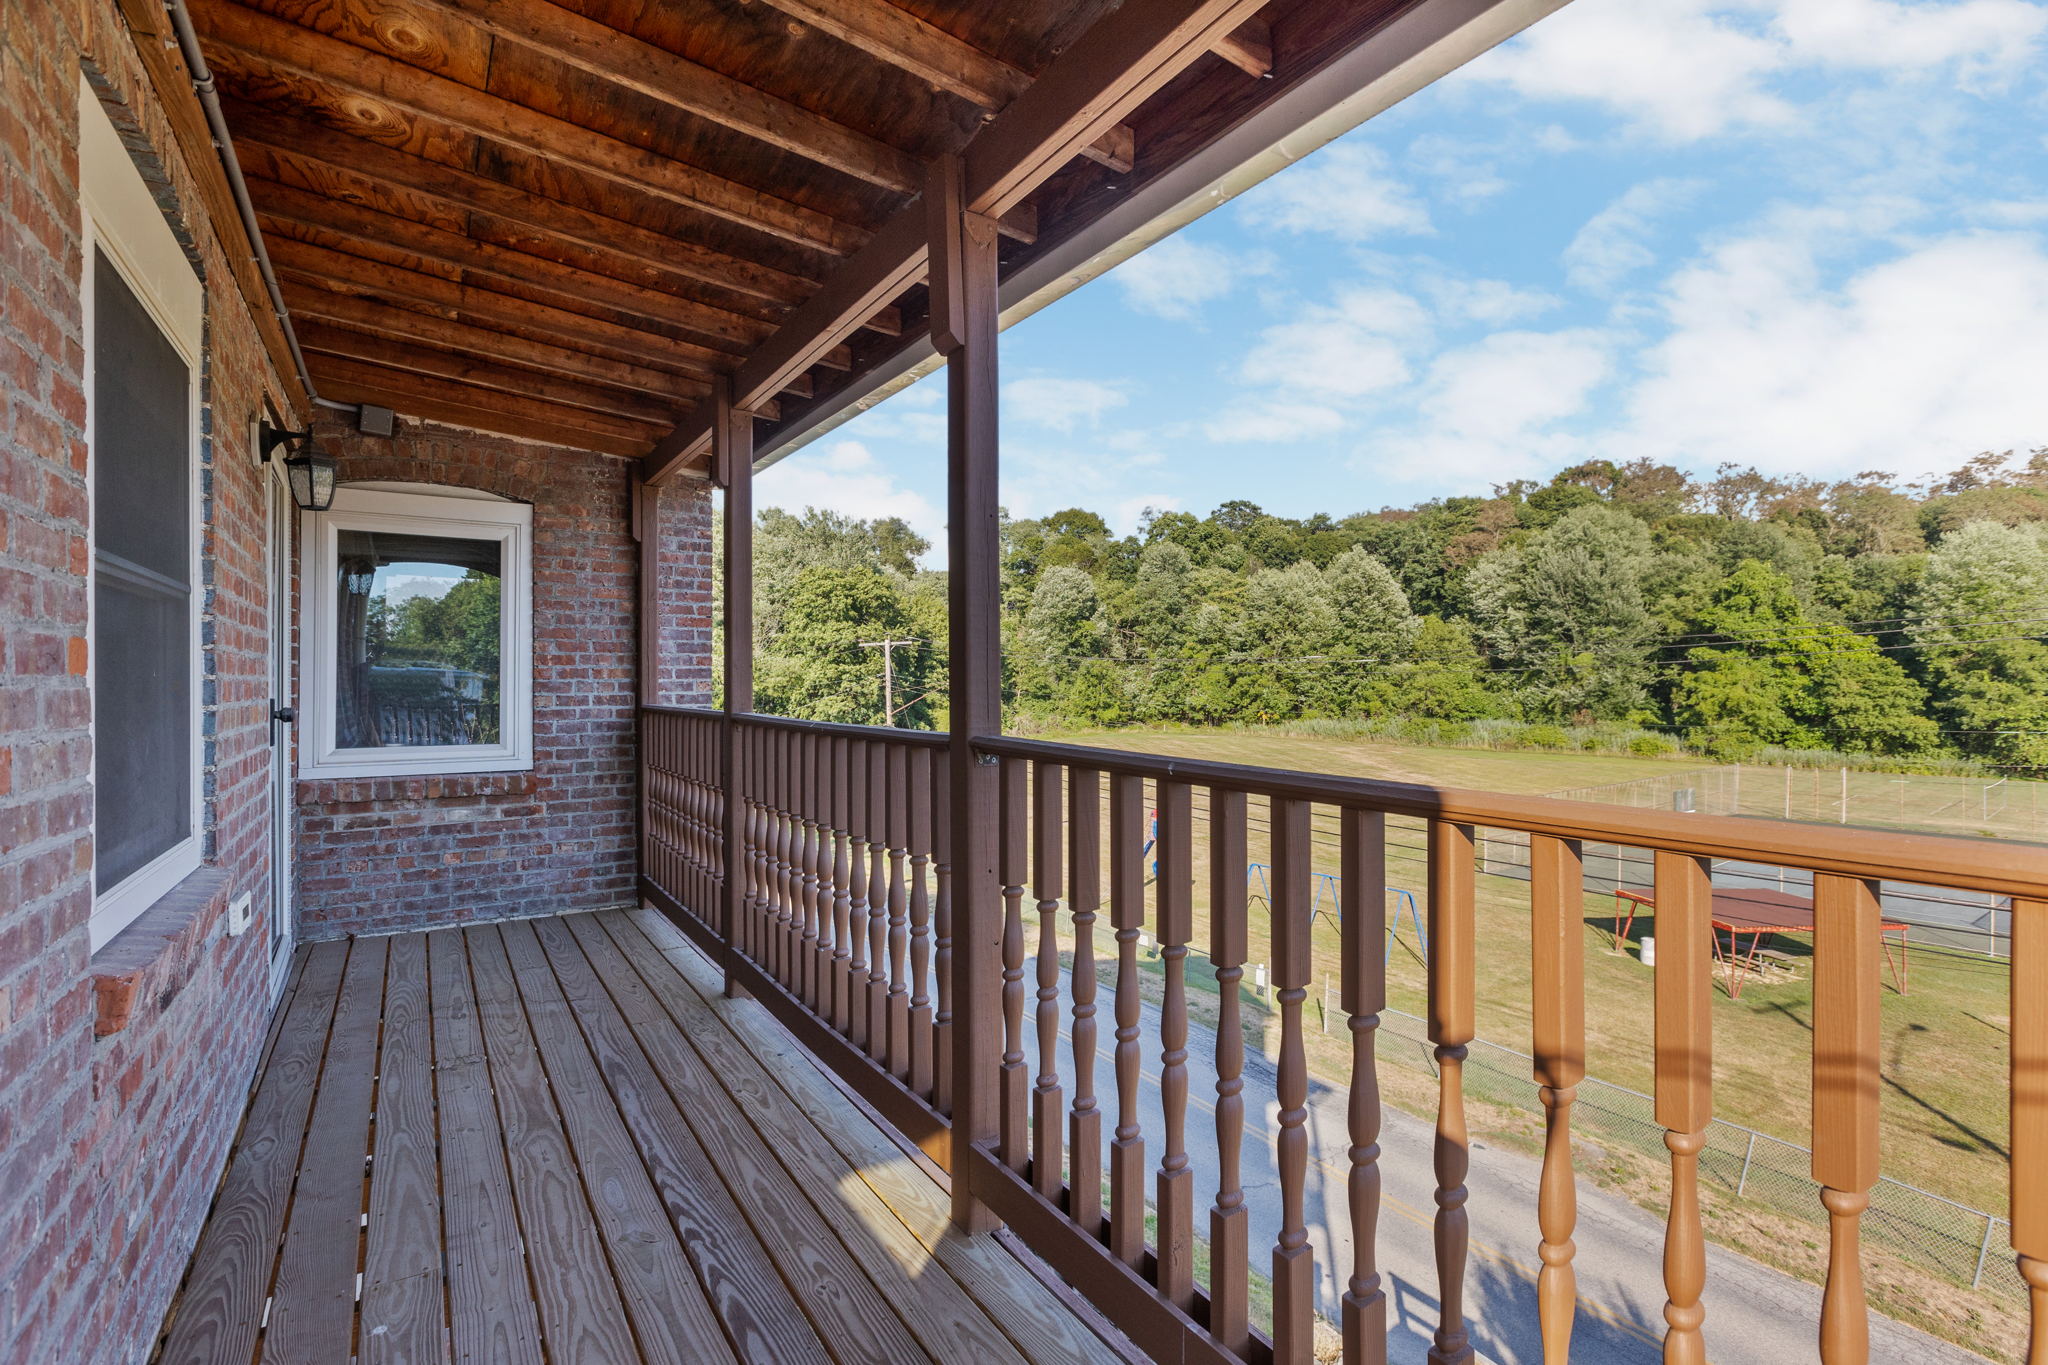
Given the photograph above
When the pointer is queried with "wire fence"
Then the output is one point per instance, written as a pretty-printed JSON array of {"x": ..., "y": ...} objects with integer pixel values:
[{"x": 1964, "y": 1245}]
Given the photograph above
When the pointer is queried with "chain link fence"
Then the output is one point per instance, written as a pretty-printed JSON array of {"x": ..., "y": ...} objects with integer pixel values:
[{"x": 1964, "y": 1245}]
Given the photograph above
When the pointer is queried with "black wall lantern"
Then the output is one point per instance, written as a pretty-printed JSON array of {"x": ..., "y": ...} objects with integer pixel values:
[{"x": 308, "y": 469}]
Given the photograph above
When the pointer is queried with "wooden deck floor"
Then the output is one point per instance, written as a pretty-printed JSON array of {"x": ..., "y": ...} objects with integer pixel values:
[{"x": 554, "y": 1141}]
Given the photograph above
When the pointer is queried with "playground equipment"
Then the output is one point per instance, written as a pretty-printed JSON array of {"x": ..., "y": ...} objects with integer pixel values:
[{"x": 1328, "y": 883}]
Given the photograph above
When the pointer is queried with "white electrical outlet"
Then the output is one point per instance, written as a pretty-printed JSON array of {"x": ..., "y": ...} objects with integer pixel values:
[{"x": 240, "y": 911}]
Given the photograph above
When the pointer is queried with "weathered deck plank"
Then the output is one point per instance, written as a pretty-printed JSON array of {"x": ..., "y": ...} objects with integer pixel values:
[
  {"x": 763, "y": 1318},
  {"x": 580, "y": 1311},
  {"x": 403, "y": 1315},
  {"x": 491, "y": 1313},
  {"x": 551, "y": 1141},
  {"x": 221, "y": 1309},
  {"x": 313, "y": 1301}
]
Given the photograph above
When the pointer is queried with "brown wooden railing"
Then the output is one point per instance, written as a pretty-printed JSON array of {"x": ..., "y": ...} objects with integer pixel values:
[{"x": 846, "y": 932}]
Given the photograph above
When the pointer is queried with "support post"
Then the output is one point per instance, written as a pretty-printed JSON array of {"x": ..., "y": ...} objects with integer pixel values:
[
  {"x": 732, "y": 460},
  {"x": 963, "y": 324}
]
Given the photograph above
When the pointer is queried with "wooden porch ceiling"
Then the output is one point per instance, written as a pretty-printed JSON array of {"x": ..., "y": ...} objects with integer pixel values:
[{"x": 563, "y": 220}]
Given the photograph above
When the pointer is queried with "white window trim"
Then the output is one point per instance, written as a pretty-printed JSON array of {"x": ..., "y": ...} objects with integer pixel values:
[
  {"x": 423, "y": 513},
  {"x": 121, "y": 220}
]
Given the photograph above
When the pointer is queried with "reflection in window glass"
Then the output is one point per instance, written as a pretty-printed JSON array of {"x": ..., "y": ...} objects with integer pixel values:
[{"x": 418, "y": 640}]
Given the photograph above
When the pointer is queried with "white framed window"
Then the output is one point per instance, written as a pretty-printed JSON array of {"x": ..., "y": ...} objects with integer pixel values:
[
  {"x": 417, "y": 629},
  {"x": 144, "y": 313}
]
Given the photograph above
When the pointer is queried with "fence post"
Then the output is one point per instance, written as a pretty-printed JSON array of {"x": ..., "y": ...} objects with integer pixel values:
[
  {"x": 1984, "y": 1251},
  {"x": 1742, "y": 1181}
]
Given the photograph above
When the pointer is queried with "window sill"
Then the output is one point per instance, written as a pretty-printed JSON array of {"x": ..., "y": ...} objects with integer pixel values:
[
  {"x": 150, "y": 961},
  {"x": 325, "y": 791}
]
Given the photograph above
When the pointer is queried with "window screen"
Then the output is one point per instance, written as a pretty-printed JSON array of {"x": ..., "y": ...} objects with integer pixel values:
[
  {"x": 418, "y": 640},
  {"x": 142, "y": 585}
]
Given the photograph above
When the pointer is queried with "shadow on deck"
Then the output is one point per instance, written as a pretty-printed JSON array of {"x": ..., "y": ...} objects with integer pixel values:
[{"x": 554, "y": 1140}]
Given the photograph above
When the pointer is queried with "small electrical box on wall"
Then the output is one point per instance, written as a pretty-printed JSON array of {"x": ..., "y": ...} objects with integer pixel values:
[
  {"x": 240, "y": 911},
  {"x": 375, "y": 421}
]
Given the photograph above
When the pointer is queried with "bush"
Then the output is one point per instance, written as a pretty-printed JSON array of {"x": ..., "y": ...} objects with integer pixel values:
[
  {"x": 1546, "y": 737},
  {"x": 1651, "y": 746}
]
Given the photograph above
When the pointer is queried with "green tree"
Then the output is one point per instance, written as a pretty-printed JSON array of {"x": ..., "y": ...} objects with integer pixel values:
[{"x": 817, "y": 668}]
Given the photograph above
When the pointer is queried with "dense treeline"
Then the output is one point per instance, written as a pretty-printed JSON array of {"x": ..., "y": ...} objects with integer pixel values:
[{"x": 1737, "y": 612}]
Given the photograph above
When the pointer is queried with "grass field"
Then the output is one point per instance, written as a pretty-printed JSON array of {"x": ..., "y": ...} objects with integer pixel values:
[{"x": 1944, "y": 1098}]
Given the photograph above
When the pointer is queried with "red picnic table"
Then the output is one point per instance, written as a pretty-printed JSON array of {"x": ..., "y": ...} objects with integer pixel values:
[{"x": 1759, "y": 914}]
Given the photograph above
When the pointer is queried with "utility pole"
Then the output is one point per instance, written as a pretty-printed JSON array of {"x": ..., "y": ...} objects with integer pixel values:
[{"x": 889, "y": 648}]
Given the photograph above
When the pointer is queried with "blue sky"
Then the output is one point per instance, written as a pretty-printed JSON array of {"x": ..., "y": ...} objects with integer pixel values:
[{"x": 1808, "y": 235}]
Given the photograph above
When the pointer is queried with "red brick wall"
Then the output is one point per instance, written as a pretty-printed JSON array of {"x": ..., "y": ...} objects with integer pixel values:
[
  {"x": 381, "y": 855},
  {"x": 110, "y": 1147}
]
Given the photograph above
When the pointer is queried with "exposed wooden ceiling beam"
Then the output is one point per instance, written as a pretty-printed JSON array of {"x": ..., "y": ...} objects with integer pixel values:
[
  {"x": 281, "y": 203},
  {"x": 352, "y": 382},
  {"x": 327, "y": 339},
  {"x": 903, "y": 40},
  {"x": 329, "y": 267},
  {"x": 392, "y": 170},
  {"x": 1123, "y": 58},
  {"x": 1249, "y": 47},
  {"x": 277, "y": 48},
  {"x": 389, "y": 320},
  {"x": 659, "y": 74}
]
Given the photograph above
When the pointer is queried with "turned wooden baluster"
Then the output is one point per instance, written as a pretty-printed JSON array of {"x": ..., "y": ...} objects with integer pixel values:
[
  {"x": 858, "y": 908},
  {"x": 2029, "y": 1082},
  {"x": 1684, "y": 1086},
  {"x": 750, "y": 842},
  {"x": 1174, "y": 895},
  {"x": 1294, "y": 1271},
  {"x": 788, "y": 913},
  {"x": 1362, "y": 836},
  {"x": 764, "y": 830},
  {"x": 1557, "y": 905},
  {"x": 1013, "y": 871},
  {"x": 843, "y": 872},
  {"x": 810, "y": 791},
  {"x": 1048, "y": 1100},
  {"x": 919, "y": 769},
  {"x": 1846, "y": 1038},
  {"x": 896, "y": 1004},
  {"x": 877, "y": 991},
  {"x": 1229, "y": 944},
  {"x": 1452, "y": 966},
  {"x": 942, "y": 931},
  {"x": 1127, "y": 915},
  {"x": 1084, "y": 894}
]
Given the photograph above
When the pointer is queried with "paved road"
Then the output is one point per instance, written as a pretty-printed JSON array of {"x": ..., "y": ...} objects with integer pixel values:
[{"x": 1755, "y": 1315}]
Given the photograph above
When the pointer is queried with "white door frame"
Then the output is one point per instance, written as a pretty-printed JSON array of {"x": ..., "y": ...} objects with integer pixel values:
[{"x": 280, "y": 515}]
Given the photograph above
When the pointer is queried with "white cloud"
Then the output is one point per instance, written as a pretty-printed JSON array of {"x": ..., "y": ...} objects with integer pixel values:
[
  {"x": 1125, "y": 517},
  {"x": 1611, "y": 245},
  {"x": 845, "y": 477},
  {"x": 1252, "y": 421},
  {"x": 1488, "y": 302},
  {"x": 1687, "y": 69},
  {"x": 1934, "y": 354},
  {"x": 1059, "y": 404},
  {"x": 1353, "y": 347},
  {"x": 1173, "y": 278},
  {"x": 1346, "y": 189}
]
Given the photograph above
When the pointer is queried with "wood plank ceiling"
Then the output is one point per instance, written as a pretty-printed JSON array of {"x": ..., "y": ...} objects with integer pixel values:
[{"x": 563, "y": 220}]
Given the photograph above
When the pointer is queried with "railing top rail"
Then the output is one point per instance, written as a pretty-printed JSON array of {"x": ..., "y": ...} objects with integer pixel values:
[
  {"x": 1994, "y": 865},
  {"x": 925, "y": 739}
]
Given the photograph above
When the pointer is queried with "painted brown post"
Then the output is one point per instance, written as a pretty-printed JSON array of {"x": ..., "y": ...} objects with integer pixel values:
[
  {"x": 1084, "y": 894},
  {"x": 1452, "y": 985},
  {"x": 1362, "y": 839},
  {"x": 2029, "y": 1081},
  {"x": 1127, "y": 916},
  {"x": 963, "y": 324},
  {"x": 1048, "y": 1100},
  {"x": 942, "y": 931},
  {"x": 1174, "y": 894},
  {"x": 1684, "y": 1087},
  {"x": 733, "y": 456},
  {"x": 1014, "y": 864},
  {"x": 1229, "y": 944},
  {"x": 1846, "y": 950},
  {"x": 1557, "y": 907},
  {"x": 896, "y": 1004},
  {"x": 919, "y": 769},
  {"x": 1294, "y": 1276},
  {"x": 810, "y": 776}
]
